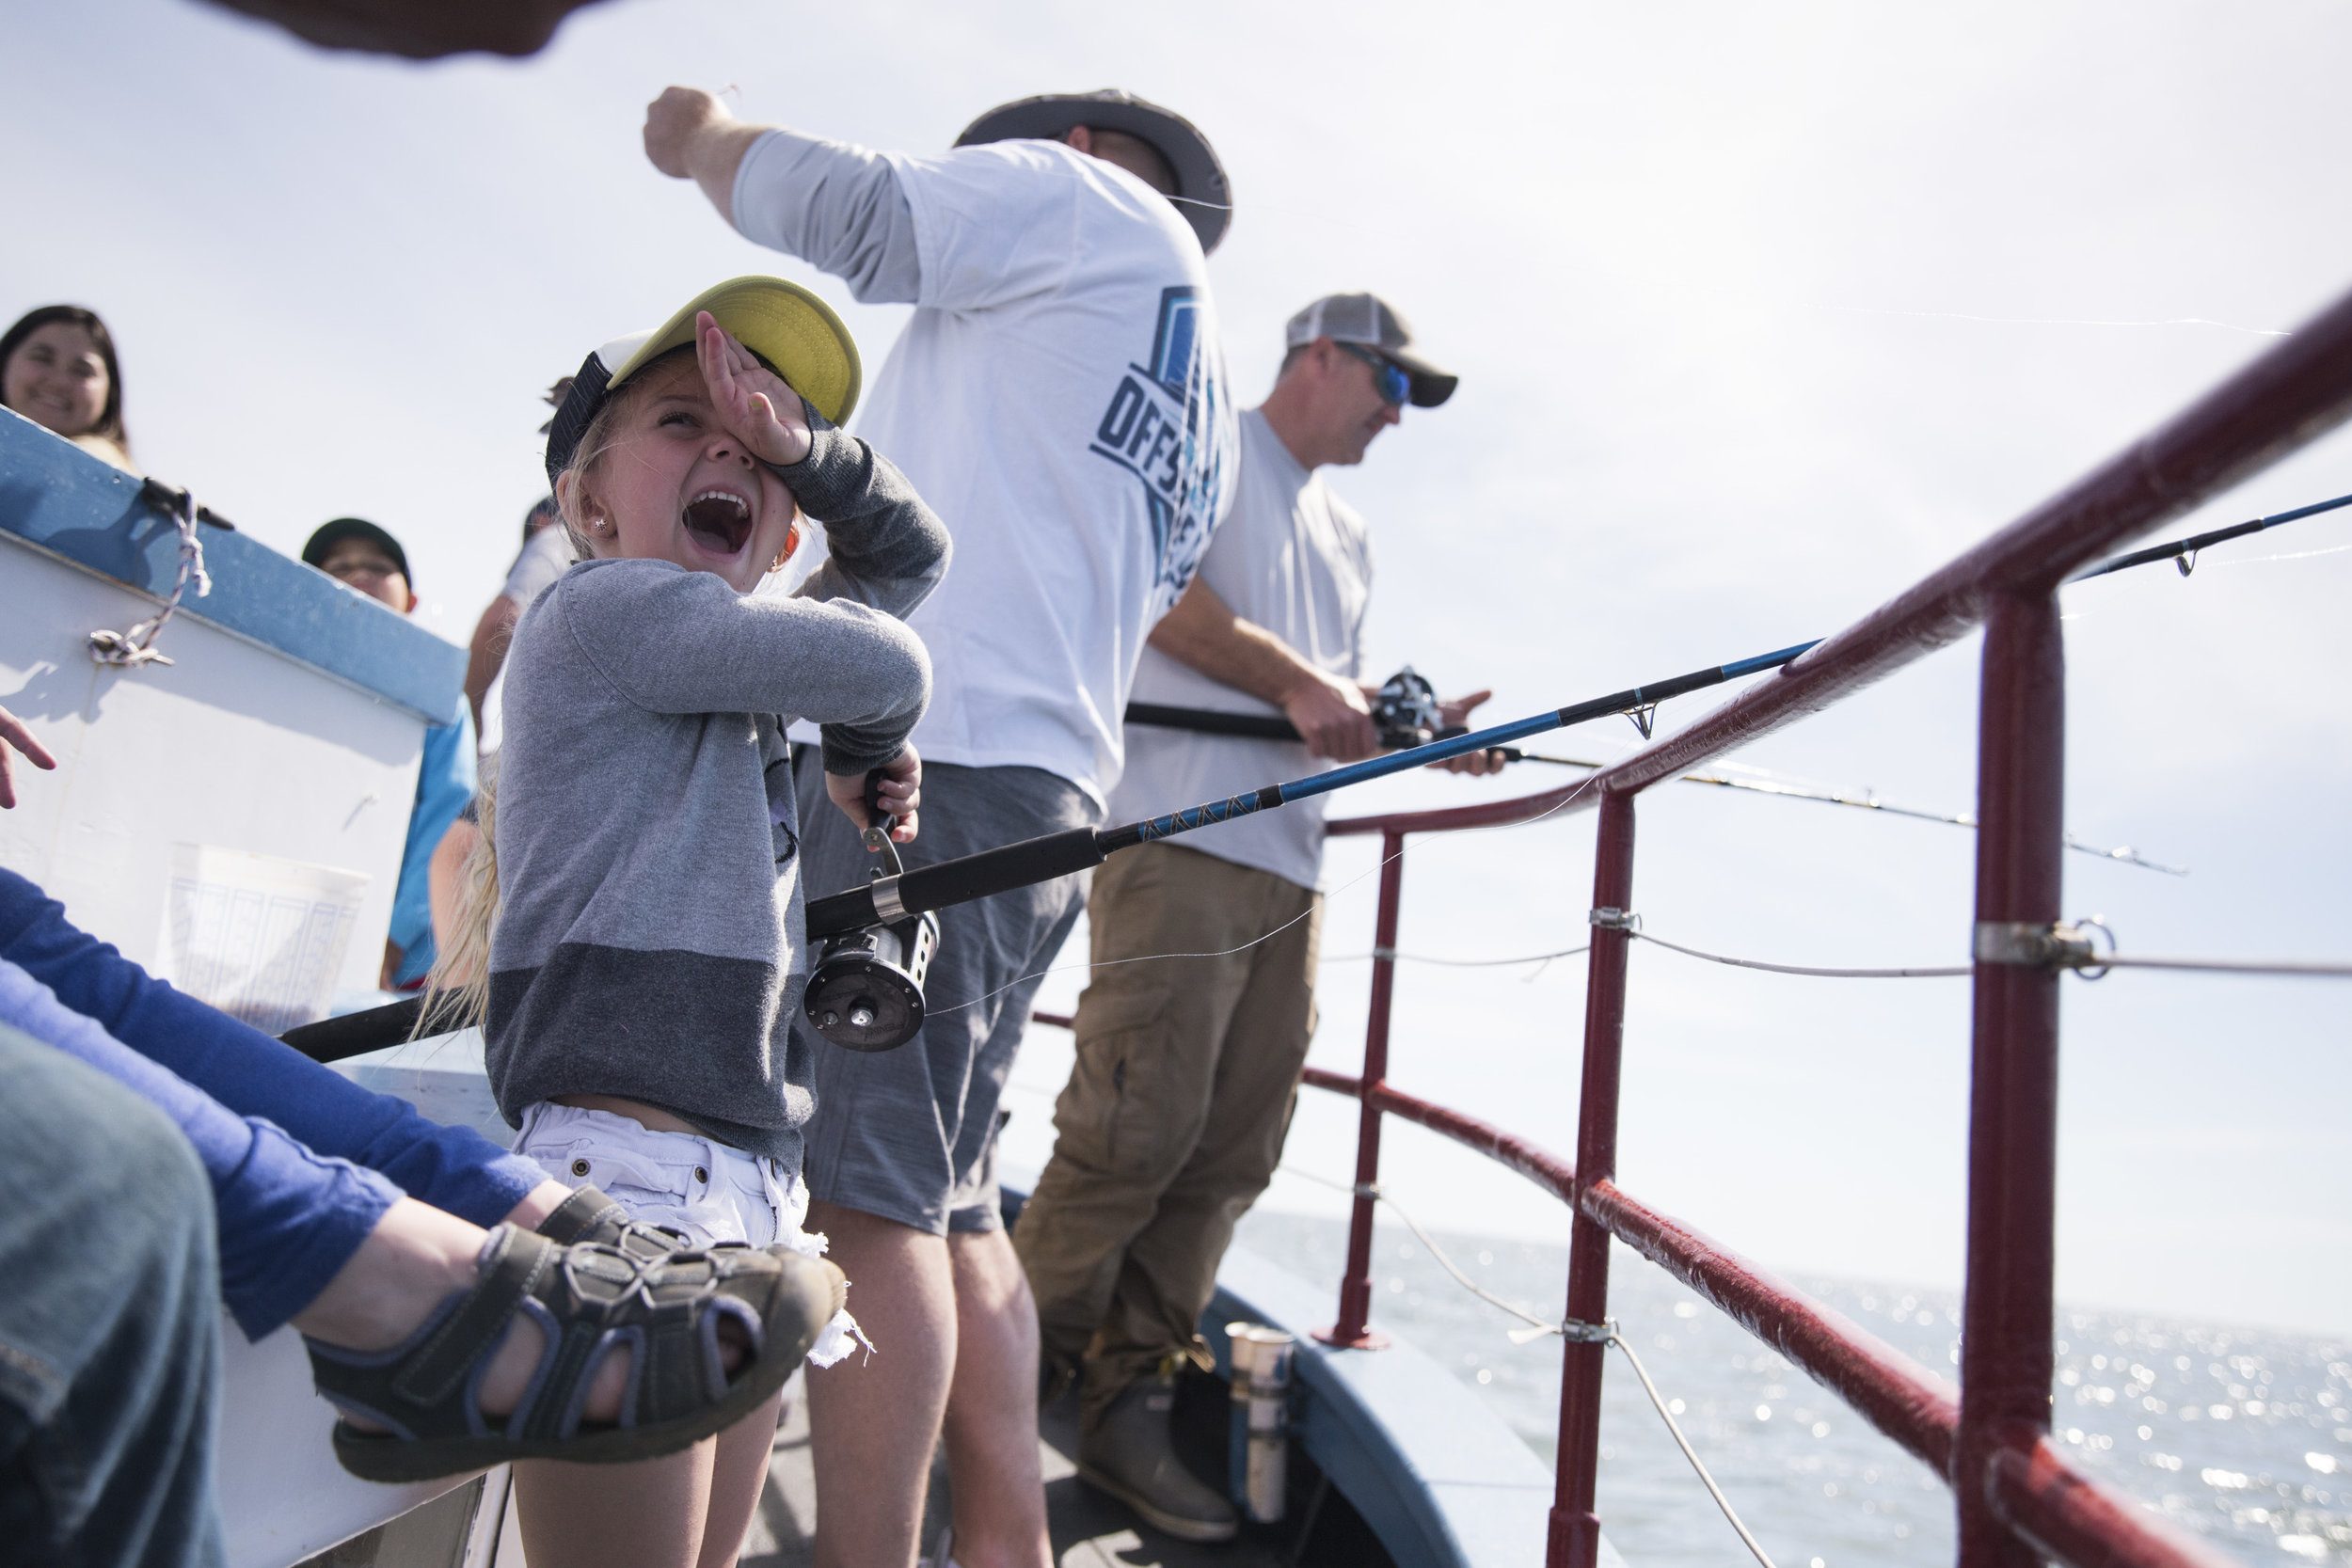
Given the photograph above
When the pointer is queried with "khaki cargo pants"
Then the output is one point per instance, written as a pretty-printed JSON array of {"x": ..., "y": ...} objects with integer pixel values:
[{"x": 1176, "y": 1111}]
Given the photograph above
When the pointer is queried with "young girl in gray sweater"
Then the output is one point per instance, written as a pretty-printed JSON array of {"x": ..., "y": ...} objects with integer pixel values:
[{"x": 648, "y": 955}]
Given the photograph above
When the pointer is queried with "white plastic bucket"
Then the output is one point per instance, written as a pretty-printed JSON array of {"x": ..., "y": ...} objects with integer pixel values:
[{"x": 259, "y": 936}]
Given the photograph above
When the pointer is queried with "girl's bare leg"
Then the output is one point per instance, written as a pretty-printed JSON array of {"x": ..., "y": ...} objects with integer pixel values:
[
  {"x": 737, "y": 1477},
  {"x": 690, "y": 1510},
  {"x": 649, "y": 1514}
]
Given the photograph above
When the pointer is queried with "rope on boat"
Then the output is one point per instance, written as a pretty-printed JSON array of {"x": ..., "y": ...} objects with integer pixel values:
[
  {"x": 1604, "y": 1333},
  {"x": 127, "y": 650},
  {"x": 1684, "y": 1443}
]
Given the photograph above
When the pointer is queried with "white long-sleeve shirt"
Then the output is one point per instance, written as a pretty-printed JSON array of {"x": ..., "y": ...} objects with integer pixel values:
[{"x": 1059, "y": 398}]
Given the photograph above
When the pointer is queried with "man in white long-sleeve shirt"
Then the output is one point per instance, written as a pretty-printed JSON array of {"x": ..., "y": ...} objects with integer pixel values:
[{"x": 1059, "y": 398}]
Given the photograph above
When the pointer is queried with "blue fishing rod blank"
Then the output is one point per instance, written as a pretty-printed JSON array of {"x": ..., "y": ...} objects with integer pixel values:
[
  {"x": 2184, "y": 550},
  {"x": 1037, "y": 860}
]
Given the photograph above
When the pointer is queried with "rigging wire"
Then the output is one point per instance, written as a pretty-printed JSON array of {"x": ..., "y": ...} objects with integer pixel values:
[
  {"x": 1601, "y": 1334},
  {"x": 1941, "y": 973},
  {"x": 2320, "y": 968}
]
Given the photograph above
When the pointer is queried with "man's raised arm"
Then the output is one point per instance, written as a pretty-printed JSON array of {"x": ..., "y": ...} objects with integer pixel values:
[{"x": 835, "y": 206}]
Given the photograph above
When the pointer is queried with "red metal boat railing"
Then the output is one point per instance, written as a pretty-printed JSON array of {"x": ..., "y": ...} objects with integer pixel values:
[{"x": 2019, "y": 1502}]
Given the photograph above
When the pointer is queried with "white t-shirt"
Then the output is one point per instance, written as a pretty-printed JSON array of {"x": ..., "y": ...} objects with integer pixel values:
[
  {"x": 547, "y": 555},
  {"x": 1294, "y": 559},
  {"x": 545, "y": 558},
  {"x": 1059, "y": 399}
]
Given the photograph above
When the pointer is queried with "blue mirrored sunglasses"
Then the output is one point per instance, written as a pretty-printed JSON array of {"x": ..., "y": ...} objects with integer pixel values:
[{"x": 1387, "y": 378}]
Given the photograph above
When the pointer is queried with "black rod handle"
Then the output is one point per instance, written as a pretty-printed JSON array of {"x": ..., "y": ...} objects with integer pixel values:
[
  {"x": 1205, "y": 720},
  {"x": 331, "y": 1040},
  {"x": 957, "y": 881}
]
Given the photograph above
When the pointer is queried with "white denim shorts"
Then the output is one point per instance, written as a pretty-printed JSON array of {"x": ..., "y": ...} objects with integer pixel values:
[{"x": 689, "y": 1182}]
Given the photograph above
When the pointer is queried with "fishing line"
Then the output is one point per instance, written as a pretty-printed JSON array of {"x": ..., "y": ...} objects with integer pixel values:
[
  {"x": 2183, "y": 552},
  {"x": 2299, "y": 555},
  {"x": 2068, "y": 321}
]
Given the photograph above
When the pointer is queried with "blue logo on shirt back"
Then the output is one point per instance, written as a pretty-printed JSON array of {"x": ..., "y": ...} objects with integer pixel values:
[{"x": 1166, "y": 426}]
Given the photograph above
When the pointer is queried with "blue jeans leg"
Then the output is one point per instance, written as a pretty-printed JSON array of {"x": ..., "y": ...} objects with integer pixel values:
[{"x": 109, "y": 1324}]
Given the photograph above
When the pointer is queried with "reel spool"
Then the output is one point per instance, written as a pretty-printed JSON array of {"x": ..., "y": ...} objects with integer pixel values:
[{"x": 865, "y": 991}]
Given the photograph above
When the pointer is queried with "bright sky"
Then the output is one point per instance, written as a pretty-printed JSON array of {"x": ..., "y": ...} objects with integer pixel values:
[{"x": 1761, "y": 313}]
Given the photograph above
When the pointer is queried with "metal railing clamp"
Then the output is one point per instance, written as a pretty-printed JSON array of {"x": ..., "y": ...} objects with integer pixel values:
[
  {"x": 1576, "y": 1332},
  {"x": 2058, "y": 945},
  {"x": 1609, "y": 919}
]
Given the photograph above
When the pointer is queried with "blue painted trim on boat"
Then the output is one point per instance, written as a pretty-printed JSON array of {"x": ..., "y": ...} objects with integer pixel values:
[
  {"x": 60, "y": 499},
  {"x": 1437, "y": 1474}
]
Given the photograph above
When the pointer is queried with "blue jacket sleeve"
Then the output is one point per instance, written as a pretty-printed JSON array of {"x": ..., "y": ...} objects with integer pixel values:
[
  {"x": 445, "y": 782},
  {"x": 287, "y": 1219},
  {"x": 454, "y": 1168}
]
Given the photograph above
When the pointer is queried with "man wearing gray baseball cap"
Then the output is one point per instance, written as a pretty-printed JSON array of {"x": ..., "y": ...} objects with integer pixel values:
[
  {"x": 1177, "y": 1107},
  {"x": 1059, "y": 395}
]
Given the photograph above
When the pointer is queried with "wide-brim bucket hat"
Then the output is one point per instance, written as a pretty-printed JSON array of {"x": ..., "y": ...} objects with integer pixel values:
[
  {"x": 1203, "y": 193},
  {"x": 793, "y": 332}
]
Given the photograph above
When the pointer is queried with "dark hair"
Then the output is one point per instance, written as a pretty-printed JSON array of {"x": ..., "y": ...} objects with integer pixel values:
[
  {"x": 544, "y": 507},
  {"x": 323, "y": 543},
  {"x": 110, "y": 418}
]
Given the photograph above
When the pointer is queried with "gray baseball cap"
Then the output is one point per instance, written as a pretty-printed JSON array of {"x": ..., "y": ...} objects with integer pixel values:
[
  {"x": 1203, "y": 194},
  {"x": 1368, "y": 320}
]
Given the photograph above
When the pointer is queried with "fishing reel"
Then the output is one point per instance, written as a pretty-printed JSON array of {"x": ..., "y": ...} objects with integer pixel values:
[
  {"x": 865, "y": 990},
  {"x": 1405, "y": 712}
]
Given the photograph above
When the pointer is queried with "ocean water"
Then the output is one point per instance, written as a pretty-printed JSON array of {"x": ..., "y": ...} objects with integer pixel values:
[{"x": 2241, "y": 1435}]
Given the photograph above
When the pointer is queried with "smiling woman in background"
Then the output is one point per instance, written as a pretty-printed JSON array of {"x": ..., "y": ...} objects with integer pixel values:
[{"x": 57, "y": 369}]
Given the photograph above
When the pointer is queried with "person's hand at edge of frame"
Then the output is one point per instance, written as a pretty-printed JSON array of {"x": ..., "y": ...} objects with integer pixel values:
[
  {"x": 897, "y": 789},
  {"x": 673, "y": 121},
  {"x": 1333, "y": 717},
  {"x": 13, "y": 734},
  {"x": 1456, "y": 710}
]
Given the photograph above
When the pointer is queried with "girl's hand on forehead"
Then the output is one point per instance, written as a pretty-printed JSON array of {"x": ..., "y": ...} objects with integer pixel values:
[{"x": 751, "y": 400}]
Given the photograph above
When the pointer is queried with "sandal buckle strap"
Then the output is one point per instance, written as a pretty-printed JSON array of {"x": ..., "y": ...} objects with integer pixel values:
[{"x": 516, "y": 1260}]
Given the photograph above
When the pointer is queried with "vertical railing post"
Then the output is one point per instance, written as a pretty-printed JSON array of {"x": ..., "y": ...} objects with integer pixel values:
[
  {"x": 2006, "y": 1318},
  {"x": 1575, "y": 1534},
  {"x": 1356, "y": 1283}
]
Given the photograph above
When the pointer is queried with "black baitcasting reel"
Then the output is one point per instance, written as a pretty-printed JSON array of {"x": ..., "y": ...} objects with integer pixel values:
[
  {"x": 1405, "y": 712},
  {"x": 865, "y": 991}
]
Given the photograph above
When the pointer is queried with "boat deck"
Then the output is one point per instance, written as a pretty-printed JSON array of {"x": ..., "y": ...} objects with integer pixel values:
[{"x": 1089, "y": 1531}]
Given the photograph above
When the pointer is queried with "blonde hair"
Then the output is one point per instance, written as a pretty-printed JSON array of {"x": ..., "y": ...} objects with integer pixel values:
[{"x": 457, "y": 988}]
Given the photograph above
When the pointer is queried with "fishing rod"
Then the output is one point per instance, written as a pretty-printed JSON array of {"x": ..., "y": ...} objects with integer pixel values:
[
  {"x": 1267, "y": 727},
  {"x": 875, "y": 943},
  {"x": 2183, "y": 552},
  {"x": 864, "y": 991}
]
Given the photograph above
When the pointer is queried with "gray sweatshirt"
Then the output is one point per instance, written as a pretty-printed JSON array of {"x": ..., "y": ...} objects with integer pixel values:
[{"x": 651, "y": 943}]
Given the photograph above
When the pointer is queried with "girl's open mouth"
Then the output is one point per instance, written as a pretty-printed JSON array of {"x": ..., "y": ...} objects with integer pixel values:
[{"x": 719, "y": 520}]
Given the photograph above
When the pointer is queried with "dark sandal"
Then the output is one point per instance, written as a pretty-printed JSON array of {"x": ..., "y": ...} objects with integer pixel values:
[
  {"x": 589, "y": 1300},
  {"x": 588, "y": 1215}
]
